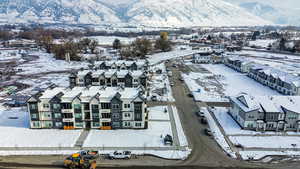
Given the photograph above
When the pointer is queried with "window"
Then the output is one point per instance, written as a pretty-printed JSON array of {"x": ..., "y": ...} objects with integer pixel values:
[
  {"x": 138, "y": 116},
  {"x": 33, "y": 106},
  {"x": 115, "y": 106},
  {"x": 78, "y": 124},
  {"x": 66, "y": 106},
  {"x": 56, "y": 106},
  {"x": 36, "y": 124},
  {"x": 86, "y": 106},
  {"x": 106, "y": 124},
  {"x": 47, "y": 114},
  {"x": 127, "y": 124},
  {"x": 96, "y": 124},
  {"x": 68, "y": 124},
  {"x": 105, "y": 105},
  {"x": 57, "y": 115},
  {"x": 33, "y": 116},
  {"x": 80, "y": 80},
  {"x": 95, "y": 116},
  {"x": 58, "y": 124},
  {"x": 78, "y": 116},
  {"x": 95, "y": 106},
  {"x": 48, "y": 124},
  {"x": 138, "y": 124},
  {"x": 46, "y": 106},
  {"x": 127, "y": 115},
  {"x": 106, "y": 115},
  {"x": 77, "y": 106},
  {"x": 136, "y": 80},
  {"x": 126, "y": 106},
  {"x": 116, "y": 116},
  {"x": 67, "y": 115}
]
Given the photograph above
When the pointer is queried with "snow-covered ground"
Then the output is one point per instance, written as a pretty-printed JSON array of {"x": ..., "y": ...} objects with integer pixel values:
[
  {"x": 159, "y": 125},
  {"x": 158, "y": 82},
  {"x": 235, "y": 82},
  {"x": 218, "y": 136},
  {"x": 47, "y": 63},
  {"x": 204, "y": 92},
  {"x": 256, "y": 155},
  {"x": 61, "y": 80},
  {"x": 151, "y": 137},
  {"x": 159, "y": 57},
  {"x": 261, "y": 42},
  {"x": 158, "y": 113},
  {"x": 108, "y": 40},
  {"x": 264, "y": 141},
  {"x": 14, "y": 132}
]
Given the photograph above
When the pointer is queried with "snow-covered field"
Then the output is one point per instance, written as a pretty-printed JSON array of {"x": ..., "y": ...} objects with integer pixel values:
[
  {"x": 47, "y": 63},
  {"x": 235, "y": 82},
  {"x": 158, "y": 82},
  {"x": 158, "y": 113},
  {"x": 264, "y": 141},
  {"x": 151, "y": 137},
  {"x": 261, "y": 42},
  {"x": 204, "y": 92},
  {"x": 14, "y": 132},
  {"x": 108, "y": 40}
]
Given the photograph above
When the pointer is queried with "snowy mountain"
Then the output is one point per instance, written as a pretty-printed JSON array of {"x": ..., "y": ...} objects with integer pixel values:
[
  {"x": 146, "y": 12},
  {"x": 280, "y": 12}
]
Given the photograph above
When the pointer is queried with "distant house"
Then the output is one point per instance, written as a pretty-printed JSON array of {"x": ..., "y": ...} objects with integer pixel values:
[{"x": 266, "y": 113}]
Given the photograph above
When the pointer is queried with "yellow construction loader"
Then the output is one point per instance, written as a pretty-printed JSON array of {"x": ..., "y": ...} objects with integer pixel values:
[{"x": 79, "y": 161}]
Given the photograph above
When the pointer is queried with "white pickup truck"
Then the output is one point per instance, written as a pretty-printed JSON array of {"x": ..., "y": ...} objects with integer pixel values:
[{"x": 120, "y": 155}]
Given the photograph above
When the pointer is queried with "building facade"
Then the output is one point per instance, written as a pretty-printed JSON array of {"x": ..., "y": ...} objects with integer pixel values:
[
  {"x": 91, "y": 108},
  {"x": 109, "y": 78},
  {"x": 266, "y": 113}
]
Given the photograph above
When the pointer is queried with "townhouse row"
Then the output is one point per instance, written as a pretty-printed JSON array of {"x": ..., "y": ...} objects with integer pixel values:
[
  {"x": 122, "y": 65},
  {"x": 88, "y": 107},
  {"x": 282, "y": 82},
  {"x": 207, "y": 55},
  {"x": 109, "y": 78},
  {"x": 266, "y": 113}
]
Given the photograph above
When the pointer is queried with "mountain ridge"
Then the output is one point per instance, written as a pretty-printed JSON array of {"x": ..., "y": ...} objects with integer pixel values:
[{"x": 177, "y": 13}]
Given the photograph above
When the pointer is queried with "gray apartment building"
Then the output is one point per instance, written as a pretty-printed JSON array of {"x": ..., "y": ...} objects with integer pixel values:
[
  {"x": 109, "y": 78},
  {"x": 93, "y": 107},
  {"x": 266, "y": 113}
]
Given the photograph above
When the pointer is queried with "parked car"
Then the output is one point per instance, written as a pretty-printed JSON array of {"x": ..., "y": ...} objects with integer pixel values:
[
  {"x": 171, "y": 84},
  {"x": 200, "y": 114},
  {"x": 154, "y": 98},
  {"x": 190, "y": 95},
  {"x": 203, "y": 120},
  {"x": 208, "y": 132},
  {"x": 120, "y": 155},
  {"x": 168, "y": 140}
]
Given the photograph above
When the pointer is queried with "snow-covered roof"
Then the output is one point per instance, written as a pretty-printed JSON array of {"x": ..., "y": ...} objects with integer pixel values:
[
  {"x": 50, "y": 93},
  {"x": 109, "y": 73},
  {"x": 245, "y": 102},
  {"x": 87, "y": 93},
  {"x": 268, "y": 103}
]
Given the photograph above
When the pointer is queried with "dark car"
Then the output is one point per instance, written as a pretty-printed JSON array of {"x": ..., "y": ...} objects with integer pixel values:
[{"x": 208, "y": 132}]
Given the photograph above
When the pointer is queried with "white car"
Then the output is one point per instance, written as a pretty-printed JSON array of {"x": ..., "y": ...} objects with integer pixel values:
[{"x": 120, "y": 155}]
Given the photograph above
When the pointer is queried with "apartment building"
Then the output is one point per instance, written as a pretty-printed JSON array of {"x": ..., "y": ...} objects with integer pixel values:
[
  {"x": 266, "y": 113},
  {"x": 88, "y": 107},
  {"x": 282, "y": 82},
  {"x": 109, "y": 78},
  {"x": 122, "y": 65}
]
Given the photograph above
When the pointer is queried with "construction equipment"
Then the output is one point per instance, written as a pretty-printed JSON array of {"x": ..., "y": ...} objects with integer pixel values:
[{"x": 80, "y": 161}]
